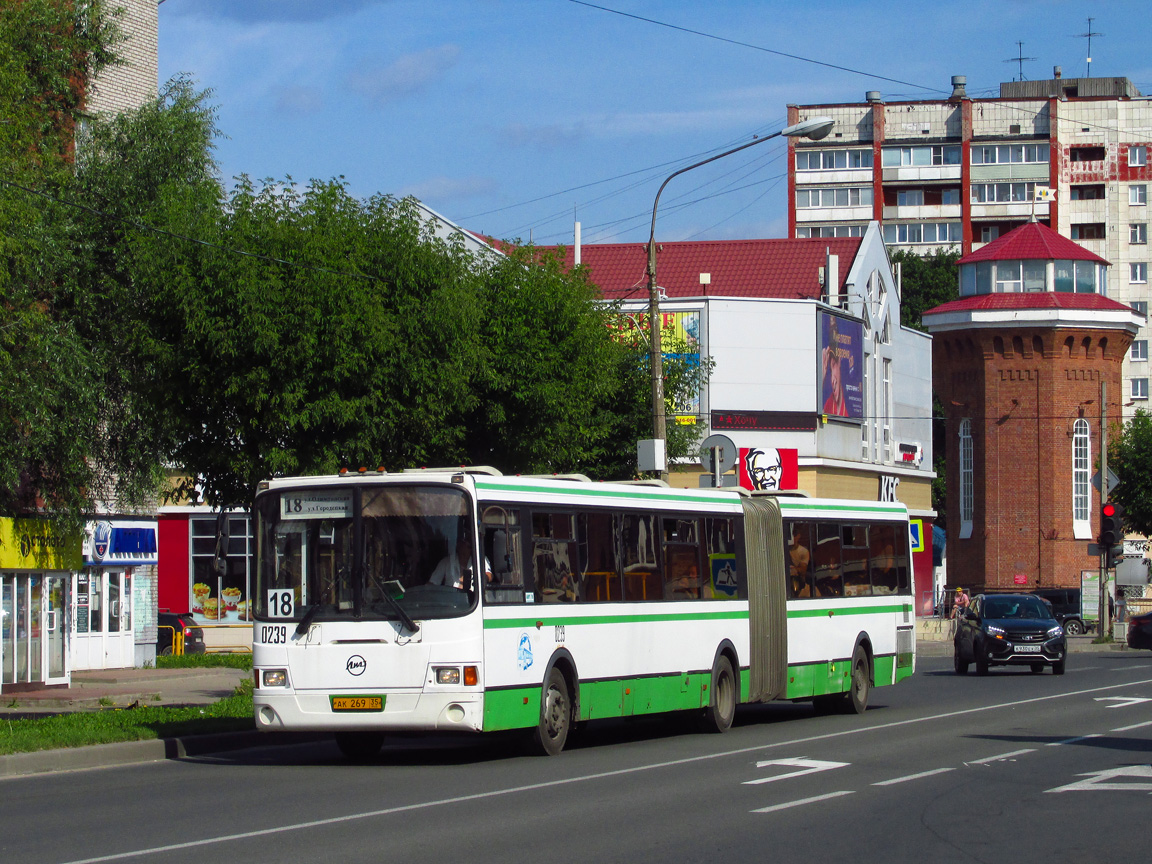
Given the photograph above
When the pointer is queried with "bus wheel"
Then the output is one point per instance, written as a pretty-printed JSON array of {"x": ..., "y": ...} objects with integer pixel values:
[
  {"x": 856, "y": 699},
  {"x": 722, "y": 704},
  {"x": 555, "y": 715},
  {"x": 359, "y": 746}
]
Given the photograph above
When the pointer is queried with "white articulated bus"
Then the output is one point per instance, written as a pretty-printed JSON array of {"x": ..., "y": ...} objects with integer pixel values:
[{"x": 465, "y": 600}]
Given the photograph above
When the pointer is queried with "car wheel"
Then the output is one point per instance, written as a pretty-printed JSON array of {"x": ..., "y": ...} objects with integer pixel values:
[
  {"x": 555, "y": 715},
  {"x": 1037, "y": 668},
  {"x": 981, "y": 664},
  {"x": 1058, "y": 667},
  {"x": 1074, "y": 627},
  {"x": 961, "y": 666},
  {"x": 359, "y": 746}
]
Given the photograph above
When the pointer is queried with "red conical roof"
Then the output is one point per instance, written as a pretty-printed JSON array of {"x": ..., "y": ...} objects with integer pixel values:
[{"x": 1031, "y": 241}]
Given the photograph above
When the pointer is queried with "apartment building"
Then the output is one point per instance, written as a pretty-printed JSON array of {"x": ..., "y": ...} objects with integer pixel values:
[{"x": 957, "y": 173}]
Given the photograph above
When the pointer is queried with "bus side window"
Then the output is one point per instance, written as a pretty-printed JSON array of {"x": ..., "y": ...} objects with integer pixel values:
[
  {"x": 884, "y": 564},
  {"x": 642, "y": 580},
  {"x": 798, "y": 559},
  {"x": 502, "y": 548},
  {"x": 599, "y": 564},
  {"x": 722, "y": 577},
  {"x": 681, "y": 559},
  {"x": 826, "y": 560},
  {"x": 553, "y": 557},
  {"x": 854, "y": 566}
]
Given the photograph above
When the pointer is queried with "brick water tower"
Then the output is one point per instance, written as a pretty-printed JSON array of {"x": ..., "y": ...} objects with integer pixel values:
[{"x": 1020, "y": 363}]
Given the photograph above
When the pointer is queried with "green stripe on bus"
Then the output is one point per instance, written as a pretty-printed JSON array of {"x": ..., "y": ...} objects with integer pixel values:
[
  {"x": 801, "y": 504},
  {"x": 584, "y": 490},
  {"x": 623, "y": 618},
  {"x": 519, "y": 707},
  {"x": 822, "y": 611}
]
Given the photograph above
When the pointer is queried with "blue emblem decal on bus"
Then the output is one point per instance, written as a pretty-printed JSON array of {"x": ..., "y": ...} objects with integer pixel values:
[{"x": 524, "y": 652}]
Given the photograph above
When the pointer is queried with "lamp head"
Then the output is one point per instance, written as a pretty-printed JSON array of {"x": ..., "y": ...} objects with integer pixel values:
[{"x": 814, "y": 128}]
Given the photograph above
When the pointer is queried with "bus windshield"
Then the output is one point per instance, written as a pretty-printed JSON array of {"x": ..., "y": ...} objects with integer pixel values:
[{"x": 378, "y": 552}]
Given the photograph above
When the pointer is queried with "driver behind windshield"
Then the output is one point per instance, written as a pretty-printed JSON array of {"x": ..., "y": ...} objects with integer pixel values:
[{"x": 452, "y": 567}]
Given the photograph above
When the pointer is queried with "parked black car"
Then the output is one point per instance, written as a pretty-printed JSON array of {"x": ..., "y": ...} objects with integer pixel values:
[
  {"x": 1066, "y": 603},
  {"x": 1140, "y": 631},
  {"x": 170, "y": 623},
  {"x": 1008, "y": 629}
]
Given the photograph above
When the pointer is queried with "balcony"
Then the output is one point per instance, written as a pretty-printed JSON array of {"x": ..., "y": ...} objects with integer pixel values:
[
  {"x": 921, "y": 173},
  {"x": 934, "y": 212}
]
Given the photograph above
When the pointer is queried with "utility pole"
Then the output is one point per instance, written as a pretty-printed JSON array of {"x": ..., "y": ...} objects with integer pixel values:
[{"x": 1103, "y": 598}]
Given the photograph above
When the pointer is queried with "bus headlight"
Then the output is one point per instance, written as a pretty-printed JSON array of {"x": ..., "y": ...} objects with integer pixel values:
[
  {"x": 470, "y": 675},
  {"x": 274, "y": 678},
  {"x": 446, "y": 674}
]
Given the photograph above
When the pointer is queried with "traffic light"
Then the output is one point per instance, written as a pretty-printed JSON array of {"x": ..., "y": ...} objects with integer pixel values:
[{"x": 1112, "y": 532}]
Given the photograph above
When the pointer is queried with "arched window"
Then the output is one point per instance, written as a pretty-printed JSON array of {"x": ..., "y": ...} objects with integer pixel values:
[
  {"x": 1081, "y": 491},
  {"x": 967, "y": 492}
]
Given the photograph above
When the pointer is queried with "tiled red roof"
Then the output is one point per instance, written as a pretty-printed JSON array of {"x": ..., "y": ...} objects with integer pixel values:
[
  {"x": 1028, "y": 300},
  {"x": 1031, "y": 241},
  {"x": 738, "y": 268}
]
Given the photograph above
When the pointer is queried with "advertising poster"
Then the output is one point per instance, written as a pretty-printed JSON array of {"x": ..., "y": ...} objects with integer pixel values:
[
  {"x": 841, "y": 366},
  {"x": 679, "y": 341},
  {"x": 768, "y": 468}
]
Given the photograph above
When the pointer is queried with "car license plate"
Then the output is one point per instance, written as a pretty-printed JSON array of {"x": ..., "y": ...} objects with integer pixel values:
[
  {"x": 1028, "y": 649},
  {"x": 357, "y": 703}
]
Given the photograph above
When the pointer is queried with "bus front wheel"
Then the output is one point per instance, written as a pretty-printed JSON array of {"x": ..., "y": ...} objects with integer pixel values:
[
  {"x": 555, "y": 715},
  {"x": 722, "y": 702}
]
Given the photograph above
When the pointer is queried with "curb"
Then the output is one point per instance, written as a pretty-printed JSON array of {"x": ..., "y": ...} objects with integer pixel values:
[{"x": 137, "y": 752}]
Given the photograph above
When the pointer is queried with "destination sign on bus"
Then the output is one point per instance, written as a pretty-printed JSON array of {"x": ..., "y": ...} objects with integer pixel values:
[{"x": 336, "y": 504}]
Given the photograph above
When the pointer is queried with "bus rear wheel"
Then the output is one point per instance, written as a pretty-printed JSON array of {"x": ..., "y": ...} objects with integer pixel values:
[
  {"x": 721, "y": 708},
  {"x": 359, "y": 746},
  {"x": 555, "y": 715}
]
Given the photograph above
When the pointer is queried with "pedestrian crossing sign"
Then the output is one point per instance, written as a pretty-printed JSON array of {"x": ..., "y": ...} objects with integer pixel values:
[{"x": 917, "y": 528}]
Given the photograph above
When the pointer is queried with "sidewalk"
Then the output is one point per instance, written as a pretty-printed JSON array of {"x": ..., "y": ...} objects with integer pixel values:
[{"x": 119, "y": 688}]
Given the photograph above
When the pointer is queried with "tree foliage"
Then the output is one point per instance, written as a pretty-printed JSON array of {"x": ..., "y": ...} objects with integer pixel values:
[
  {"x": 926, "y": 282},
  {"x": 50, "y": 400},
  {"x": 156, "y": 319},
  {"x": 1130, "y": 458}
]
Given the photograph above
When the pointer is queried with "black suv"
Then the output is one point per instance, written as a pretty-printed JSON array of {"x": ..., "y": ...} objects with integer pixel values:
[
  {"x": 1066, "y": 605},
  {"x": 170, "y": 623},
  {"x": 1008, "y": 629}
]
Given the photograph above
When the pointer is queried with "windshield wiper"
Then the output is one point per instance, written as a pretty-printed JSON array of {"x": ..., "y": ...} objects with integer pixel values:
[
  {"x": 405, "y": 618},
  {"x": 306, "y": 621}
]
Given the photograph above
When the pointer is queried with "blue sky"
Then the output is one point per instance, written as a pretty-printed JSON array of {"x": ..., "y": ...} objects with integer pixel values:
[{"x": 517, "y": 117}]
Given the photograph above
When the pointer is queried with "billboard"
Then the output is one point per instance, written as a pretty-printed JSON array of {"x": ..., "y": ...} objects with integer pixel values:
[
  {"x": 768, "y": 468},
  {"x": 841, "y": 344}
]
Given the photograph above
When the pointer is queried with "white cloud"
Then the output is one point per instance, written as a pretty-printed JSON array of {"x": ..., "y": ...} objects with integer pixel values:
[
  {"x": 408, "y": 75},
  {"x": 449, "y": 188}
]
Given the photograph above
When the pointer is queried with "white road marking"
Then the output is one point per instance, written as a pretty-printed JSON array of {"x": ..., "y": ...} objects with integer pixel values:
[
  {"x": 803, "y": 801},
  {"x": 1098, "y": 781},
  {"x": 1072, "y": 740},
  {"x": 1122, "y": 701},
  {"x": 807, "y": 766},
  {"x": 987, "y": 759},
  {"x": 496, "y": 793},
  {"x": 1133, "y": 726},
  {"x": 896, "y": 780}
]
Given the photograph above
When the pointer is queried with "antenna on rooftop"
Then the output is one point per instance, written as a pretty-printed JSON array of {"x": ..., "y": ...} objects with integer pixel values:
[
  {"x": 1089, "y": 36},
  {"x": 1019, "y": 59}
]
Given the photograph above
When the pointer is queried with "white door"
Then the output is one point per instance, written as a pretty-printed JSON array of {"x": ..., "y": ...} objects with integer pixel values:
[{"x": 102, "y": 635}]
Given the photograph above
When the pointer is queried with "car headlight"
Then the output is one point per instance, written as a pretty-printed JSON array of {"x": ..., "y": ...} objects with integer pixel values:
[
  {"x": 1055, "y": 631},
  {"x": 993, "y": 630}
]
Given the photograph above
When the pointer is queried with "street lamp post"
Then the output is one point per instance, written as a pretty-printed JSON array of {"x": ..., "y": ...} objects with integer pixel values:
[{"x": 814, "y": 129}]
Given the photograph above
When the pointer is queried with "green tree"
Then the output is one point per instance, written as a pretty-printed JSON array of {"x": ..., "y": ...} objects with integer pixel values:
[
  {"x": 1130, "y": 457},
  {"x": 926, "y": 281},
  {"x": 51, "y": 449}
]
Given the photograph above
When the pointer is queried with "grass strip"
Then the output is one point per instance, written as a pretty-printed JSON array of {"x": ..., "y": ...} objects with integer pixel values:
[
  {"x": 25, "y": 735},
  {"x": 241, "y": 660}
]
